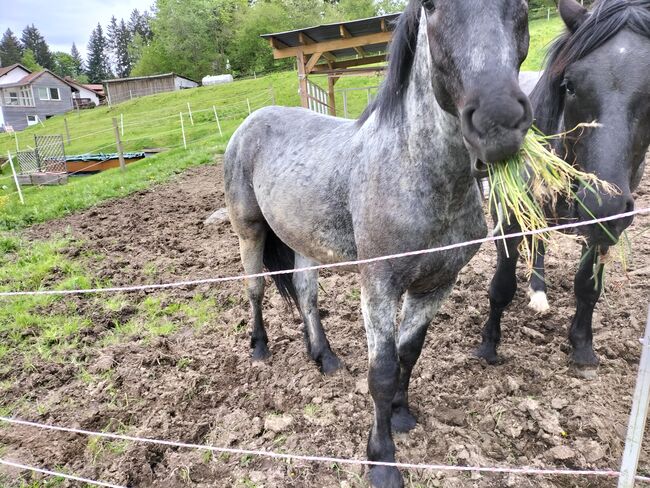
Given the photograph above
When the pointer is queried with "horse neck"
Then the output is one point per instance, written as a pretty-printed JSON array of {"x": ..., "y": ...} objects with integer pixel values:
[{"x": 433, "y": 135}]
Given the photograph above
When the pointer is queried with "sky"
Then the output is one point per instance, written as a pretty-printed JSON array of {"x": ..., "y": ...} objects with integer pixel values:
[{"x": 63, "y": 22}]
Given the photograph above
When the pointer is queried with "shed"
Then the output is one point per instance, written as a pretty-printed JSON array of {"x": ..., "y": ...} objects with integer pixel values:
[
  {"x": 122, "y": 89},
  {"x": 354, "y": 48}
]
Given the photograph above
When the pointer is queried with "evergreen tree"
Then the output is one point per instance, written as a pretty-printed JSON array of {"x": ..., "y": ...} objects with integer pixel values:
[
  {"x": 11, "y": 51},
  {"x": 34, "y": 41},
  {"x": 78, "y": 61},
  {"x": 140, "y": 24},
  {"x": 98, "y": 68},
  {"x": 121, "y": 51},
  {"x": 111, "y": 41}
]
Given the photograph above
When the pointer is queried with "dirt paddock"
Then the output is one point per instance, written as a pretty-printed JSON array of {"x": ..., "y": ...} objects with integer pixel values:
[{"x": 197, "y": 384}]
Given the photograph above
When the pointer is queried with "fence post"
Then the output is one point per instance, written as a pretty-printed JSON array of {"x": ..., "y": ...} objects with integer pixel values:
[
  {"x": 118, "y": 143},
  {"x": 272, "y": 95},
  {"x": 548, "y": 14},
  {"x": 122, "y": 124},
  {"x": 189, "y": 110},
  {"x": 13, "y": 171},
  {"x": 67, "y": 130},
  {"x": 345, "y": 104},
  {"x": 16, "y": 137},
  {"x": 248, "y": 102},
  {"x": 216, "y": 117},
  {"x": 183, "y": 131},
  {"x": 638, "y": 416}
]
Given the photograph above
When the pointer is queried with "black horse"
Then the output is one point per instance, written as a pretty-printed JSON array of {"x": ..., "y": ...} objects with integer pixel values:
[{"x": 599, "y": 70}]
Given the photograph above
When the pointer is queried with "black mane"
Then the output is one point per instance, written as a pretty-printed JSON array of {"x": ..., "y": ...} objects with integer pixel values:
[
  {"x": 607, "y": 18},
  {"x": 400, "y": 60}
]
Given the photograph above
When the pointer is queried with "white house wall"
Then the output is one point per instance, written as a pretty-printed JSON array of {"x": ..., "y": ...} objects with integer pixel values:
[
  {"x": 14, "y": 76},
  {"x": 184, "y": 83}
]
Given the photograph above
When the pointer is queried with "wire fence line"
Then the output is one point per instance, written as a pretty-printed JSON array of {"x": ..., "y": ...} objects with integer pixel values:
[
  {"x": 344, "y": 264},
  {"x": 607, "y": 473},
  {"x": 66, "y": 476}
]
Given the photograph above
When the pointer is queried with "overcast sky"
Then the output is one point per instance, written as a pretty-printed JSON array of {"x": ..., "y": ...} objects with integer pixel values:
[{"x": 63, "y": 22}]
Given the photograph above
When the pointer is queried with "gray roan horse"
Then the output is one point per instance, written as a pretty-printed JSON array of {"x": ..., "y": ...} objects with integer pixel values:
[
  {"x": 303, "y": 188},
  {"x": 599, "y": 70}
]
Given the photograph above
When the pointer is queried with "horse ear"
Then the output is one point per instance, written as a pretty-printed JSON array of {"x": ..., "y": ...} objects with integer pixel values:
[{"x": 573, "y": 14}]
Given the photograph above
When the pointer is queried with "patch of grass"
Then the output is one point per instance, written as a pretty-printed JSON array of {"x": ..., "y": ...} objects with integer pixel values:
[
  {"x": 31, "y": 325},
  {"x": 542, "y": 32},
  {"x": 99, "y": 447}
]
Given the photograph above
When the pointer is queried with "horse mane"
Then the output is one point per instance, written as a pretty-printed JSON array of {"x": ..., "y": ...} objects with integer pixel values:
[
  {"x": 401, "y": 55},
  {"x": 606, "y": 19}
]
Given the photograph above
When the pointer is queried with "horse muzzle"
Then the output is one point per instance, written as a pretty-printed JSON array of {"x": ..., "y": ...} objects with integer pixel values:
[{"x": 598, "y": 206}]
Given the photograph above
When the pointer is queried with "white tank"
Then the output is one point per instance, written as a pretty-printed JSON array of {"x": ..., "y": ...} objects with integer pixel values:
[{"x": 217, "y": 80}]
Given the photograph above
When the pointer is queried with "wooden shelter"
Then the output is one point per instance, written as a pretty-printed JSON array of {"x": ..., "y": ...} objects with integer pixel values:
[{"x": 350, "y": 48}]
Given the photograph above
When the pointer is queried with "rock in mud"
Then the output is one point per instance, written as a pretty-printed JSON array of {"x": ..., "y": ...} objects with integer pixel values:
[
  {"x": 560, "y": 453},
  {"x": 278, "y": 423}
]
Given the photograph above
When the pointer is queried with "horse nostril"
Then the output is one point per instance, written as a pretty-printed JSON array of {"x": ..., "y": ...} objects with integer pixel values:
[
  {"x": 527, "y": 119},
  {"x": 629, "y": 205}
]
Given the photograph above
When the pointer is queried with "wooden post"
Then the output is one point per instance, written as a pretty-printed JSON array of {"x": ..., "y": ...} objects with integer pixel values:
[
  {"x": 638, "y": 416},
  {"x": 122, "y": 124},
  {"x": 331, "y": 95},
  {"x": 189, "y": 110},
  {"x": 183, "y": 131},
  {"x": 248, "y": 102},
  {"x": 345, "y": 104},
  {"x": 67, "y": 130},
  {"x": 118, "y": 143},
  {"x": 302, "y": 79},
  {"x": 13, "y": 171},
  {"x": 216, "y": 117}
]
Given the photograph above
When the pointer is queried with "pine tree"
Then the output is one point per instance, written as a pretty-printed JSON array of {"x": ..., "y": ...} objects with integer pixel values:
[
  {"x": 97, "y": 67},
  {"x": 121, "y": 52},
  {"x": 111, "y": 41},
  {"x": 34, "y": 41},
  {"x": 78, "y": 61},
  {"x": 10, "y": 49}
]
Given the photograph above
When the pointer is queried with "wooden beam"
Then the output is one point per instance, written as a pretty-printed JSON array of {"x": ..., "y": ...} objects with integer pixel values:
[
  {"x": 331, "y": 95},
  {"x": 383, "y": 25},
  {"x": 345, "y": 34},
  {"x": 305, "y": 40},
  {"x": 349, "y": 63},
  {"x": 302, "y": 79},
  {"x": 309, "y": 67},
  {"x": 277, "y": 43},
  {"x": 334, "y": 45}
]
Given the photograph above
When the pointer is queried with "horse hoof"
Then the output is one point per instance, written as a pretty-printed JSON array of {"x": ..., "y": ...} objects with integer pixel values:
[
  {"x": 329, "y": 363},
  {"x": 385, "y": 477},
  {"x": 585, "y": 358},
  {"x": 260, "y": 353},
  {"x": 402, "y": 420},
  {"x": 488, "y": 352}
]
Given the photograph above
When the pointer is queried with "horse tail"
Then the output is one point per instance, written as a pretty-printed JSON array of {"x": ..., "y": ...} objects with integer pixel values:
[{"x": 280, "y": 257}]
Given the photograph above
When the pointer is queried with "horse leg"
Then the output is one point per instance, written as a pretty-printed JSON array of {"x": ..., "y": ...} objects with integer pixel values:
[
  {"x": 537, "y": 290},
  {"x": 417, "y": 313},
  {"x": 588, "y": 286},
  {"x": 502, "y": 291},
  {"x": 379, "y": 301},
  {"x": 252, "y": 251},
  {"x": 306, "y": 284}
]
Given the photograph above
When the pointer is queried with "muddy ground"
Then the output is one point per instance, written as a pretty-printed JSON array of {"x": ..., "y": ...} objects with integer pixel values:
[{"x": 197, "y": 384}]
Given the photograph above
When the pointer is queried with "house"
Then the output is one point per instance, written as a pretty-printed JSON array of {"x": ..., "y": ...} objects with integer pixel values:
[
  {"x": 26, "y": 97},
  {"x": 98, "y": 88},
  {"x": 122, "y": 89},
  {"x": 82, "y": 95}
]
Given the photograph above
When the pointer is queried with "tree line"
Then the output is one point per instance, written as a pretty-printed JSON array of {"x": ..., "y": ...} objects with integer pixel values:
[
  {"x": 193, "y": 37},
  {"x": 112, "y": 52}
]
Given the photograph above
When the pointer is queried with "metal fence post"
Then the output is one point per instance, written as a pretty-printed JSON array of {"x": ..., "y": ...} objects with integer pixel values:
[
  {"x": 67, "y": 130},
  {"x": 638, "y": 416},
  {"x": 13, "y": 171},
  {"x": 118, "y": 142}
]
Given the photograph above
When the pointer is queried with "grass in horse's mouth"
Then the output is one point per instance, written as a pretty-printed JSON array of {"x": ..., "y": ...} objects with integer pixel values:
[{"x": 521, "y": 188}]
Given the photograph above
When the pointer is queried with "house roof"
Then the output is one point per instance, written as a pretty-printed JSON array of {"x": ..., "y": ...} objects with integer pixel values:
[
  {"x": 164, "y": 75},
  {"x": 34, "y": 76},
  {"x": 11, "y": 67}
]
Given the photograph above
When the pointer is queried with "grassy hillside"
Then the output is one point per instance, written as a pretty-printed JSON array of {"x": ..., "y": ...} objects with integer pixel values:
[{"x": 154, "y": 122}]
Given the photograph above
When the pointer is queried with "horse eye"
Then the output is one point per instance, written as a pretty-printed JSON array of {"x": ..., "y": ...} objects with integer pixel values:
[
  {"x": 428, "y": 4},
  {"x": 569, "y": 87}
]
